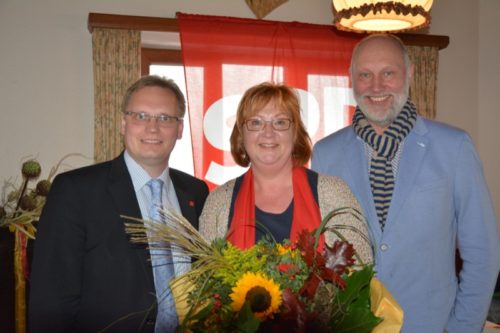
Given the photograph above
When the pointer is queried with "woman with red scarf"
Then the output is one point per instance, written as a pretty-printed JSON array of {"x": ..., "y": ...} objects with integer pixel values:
[{"x": 278, "y": 194}]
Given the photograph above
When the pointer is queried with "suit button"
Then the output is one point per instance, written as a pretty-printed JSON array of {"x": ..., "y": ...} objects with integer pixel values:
[
  {"x": 150, "y": 322},
  {"x": 384, "y": 247}
]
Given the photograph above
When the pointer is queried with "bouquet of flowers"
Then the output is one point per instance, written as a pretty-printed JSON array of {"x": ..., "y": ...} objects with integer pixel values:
[{"x": 270, "y": 287}]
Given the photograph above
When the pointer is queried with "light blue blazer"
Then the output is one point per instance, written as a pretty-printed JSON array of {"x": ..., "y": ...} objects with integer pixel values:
[{"x": 440, "y": 201}]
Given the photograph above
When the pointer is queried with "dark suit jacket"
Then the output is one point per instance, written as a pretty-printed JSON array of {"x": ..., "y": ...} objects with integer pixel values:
[{"x": 86, "y": 275}]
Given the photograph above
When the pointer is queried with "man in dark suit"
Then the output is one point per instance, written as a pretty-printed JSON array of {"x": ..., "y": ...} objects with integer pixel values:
[{"x": 87, "y": 276}]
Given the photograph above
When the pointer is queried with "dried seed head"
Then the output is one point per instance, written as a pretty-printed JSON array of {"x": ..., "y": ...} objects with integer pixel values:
[
  {"x": 43, "y": 187},
  {"x": 31, "y": 169}
]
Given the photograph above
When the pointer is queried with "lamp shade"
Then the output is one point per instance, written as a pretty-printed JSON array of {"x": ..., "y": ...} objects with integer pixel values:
[{"x": 379, "y": 16}]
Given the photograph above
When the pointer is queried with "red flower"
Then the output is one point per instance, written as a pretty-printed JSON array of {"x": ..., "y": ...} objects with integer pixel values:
[
  {"x": 328, "y": 266},
  {"x": 283, "y": 268}
]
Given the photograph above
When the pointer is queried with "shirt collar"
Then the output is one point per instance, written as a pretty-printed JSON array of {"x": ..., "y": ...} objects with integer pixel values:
[{"x": 139, "y": 176}]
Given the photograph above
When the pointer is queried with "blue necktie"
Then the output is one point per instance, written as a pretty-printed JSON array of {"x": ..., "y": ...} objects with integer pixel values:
[{"x": 163, "y": 268}]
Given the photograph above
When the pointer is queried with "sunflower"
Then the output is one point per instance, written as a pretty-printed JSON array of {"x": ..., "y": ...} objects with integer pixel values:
[{"x": 262, "y": 293}]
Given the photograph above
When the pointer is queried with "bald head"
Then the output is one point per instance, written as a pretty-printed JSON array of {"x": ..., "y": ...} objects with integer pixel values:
[{"x": 375, "y": 40}]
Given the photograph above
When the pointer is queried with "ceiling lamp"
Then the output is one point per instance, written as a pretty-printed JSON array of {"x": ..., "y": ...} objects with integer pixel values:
[{"x": 379, "y": 16}]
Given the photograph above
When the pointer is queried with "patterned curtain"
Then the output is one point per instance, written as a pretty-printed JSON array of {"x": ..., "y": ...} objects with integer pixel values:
[
  {"x": 424, "y": 86},
  {"x": 117, "y": 64}
]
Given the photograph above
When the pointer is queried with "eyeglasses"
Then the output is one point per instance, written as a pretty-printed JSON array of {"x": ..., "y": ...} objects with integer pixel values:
[
  {"x": 257, "y": 124},
  {"x": 142, "y": 118}
]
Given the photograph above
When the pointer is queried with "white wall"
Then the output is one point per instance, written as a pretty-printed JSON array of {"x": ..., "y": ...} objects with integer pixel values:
[
  {"x": 46, "y": 93},
  {"x": 469, "y": 77},
  {"x": 488, "y": 107}
]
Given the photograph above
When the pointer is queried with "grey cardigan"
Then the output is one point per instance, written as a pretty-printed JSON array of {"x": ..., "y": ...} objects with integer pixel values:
[{"x": 333, "y": 193}]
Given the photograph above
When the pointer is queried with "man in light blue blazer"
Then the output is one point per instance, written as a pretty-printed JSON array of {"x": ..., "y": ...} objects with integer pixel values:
[{"x": 423, "y": 192}]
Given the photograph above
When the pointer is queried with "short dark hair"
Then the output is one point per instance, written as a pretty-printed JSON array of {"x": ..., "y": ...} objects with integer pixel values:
[
  {"x": 287, "y": 100},
  {"x": 156, "y": 81}
]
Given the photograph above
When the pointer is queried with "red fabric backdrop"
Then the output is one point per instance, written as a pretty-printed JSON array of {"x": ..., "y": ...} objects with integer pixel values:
[{"x": 225, "y": 56}]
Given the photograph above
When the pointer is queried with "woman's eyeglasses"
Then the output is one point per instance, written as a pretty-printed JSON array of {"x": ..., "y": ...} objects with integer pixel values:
[{"x": 257, "y": 124}]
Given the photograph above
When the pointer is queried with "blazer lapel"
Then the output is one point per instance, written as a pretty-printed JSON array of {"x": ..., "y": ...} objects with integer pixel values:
[
  {"x": 187, "y": 203},
  {"x": 123, "y": 195},
  {"x": 414, "y": 150},
  {"x": 122, "y": 189}
]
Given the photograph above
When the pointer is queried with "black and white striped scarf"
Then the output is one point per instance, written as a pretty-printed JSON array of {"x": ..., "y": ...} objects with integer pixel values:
[{"x": 384, "y": 148}]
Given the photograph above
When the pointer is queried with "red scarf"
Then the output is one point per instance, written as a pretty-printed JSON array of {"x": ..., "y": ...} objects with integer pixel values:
[{"x": 306, "y": 214}]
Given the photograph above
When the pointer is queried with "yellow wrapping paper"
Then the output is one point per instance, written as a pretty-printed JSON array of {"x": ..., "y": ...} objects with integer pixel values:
[
  {"x": 385, "y": 306},
  {"x": 181, "y": 287}
]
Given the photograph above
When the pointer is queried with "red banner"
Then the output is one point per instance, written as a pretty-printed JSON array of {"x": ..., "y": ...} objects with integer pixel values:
[{"x": 225, "y": 56}]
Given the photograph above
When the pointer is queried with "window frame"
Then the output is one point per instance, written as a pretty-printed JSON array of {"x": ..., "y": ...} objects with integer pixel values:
[{"x": 151, "y": 56}]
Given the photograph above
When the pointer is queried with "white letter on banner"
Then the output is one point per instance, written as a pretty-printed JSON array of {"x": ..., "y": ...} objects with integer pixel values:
[
  {"x": 336, "y": 103},
  {"x": 309, "y": 110},
  {"x": 218, "y": 124}
]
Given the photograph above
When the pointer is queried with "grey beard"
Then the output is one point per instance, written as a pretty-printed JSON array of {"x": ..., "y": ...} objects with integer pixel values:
[
  {"x": 399, "y": 103},
  {"x": 396, "y": 108}
]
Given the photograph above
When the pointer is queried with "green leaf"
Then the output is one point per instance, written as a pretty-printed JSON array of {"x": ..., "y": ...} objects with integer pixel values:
[
  {"x": 355, "y": 315},
  {"x": 355, "y": 283},
  {"x": 247, "y": 322},
  {"x": 359, "y": 319}
]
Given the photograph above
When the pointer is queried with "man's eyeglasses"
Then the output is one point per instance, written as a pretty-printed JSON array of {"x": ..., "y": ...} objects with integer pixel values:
[
  {"x": 257, "y": 124},
  {"x": 163, "y": 120}
]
